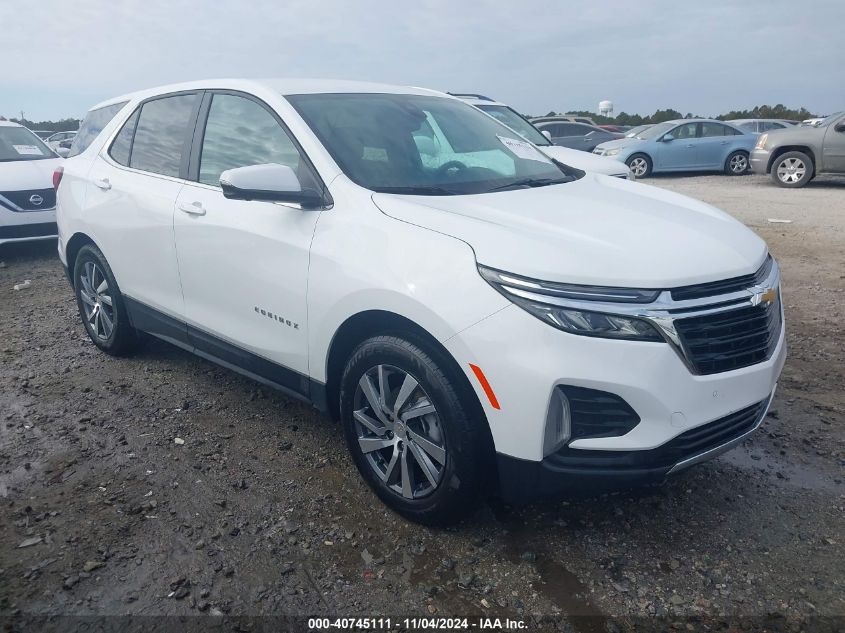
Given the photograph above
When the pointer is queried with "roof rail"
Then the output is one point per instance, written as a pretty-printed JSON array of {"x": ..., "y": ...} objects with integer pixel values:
[{"x": 470, "y": 94}]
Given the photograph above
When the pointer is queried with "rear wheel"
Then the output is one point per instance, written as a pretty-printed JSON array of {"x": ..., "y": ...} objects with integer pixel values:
[
  {"x": 737, "y": 164},
  {"x": 640, "y": 165},
  {"x": 100, "y": 303},
  {"x": 409, "y": 433},
  {"x": 792, "y": 169}
]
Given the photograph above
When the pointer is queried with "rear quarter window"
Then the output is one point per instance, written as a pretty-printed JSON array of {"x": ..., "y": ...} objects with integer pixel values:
[{"x": 94, "y": 123}]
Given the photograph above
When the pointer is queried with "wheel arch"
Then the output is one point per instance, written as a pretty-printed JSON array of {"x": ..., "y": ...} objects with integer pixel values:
[
  {"x": 363, "y": 325},
  {"x": 74, "y": 245},
  {"x": 780, "y": 151}
]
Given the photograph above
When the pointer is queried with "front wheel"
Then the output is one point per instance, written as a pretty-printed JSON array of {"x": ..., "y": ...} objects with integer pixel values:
[
  {"x": 410, "y": 435},
  {"x": 100, "y": 303},
  {"x": 737, "y": 164},
  {"x": 640, "y": 165},
  {"x": 792, "y": 169}
]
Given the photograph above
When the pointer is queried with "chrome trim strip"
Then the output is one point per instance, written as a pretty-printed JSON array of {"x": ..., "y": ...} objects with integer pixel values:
[
  {"x": 718, "y": 450},
  {"x": 662, "y": 312}
]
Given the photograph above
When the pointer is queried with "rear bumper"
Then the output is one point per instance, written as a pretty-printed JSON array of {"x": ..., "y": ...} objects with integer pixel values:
[
  {"x": 759, "y": 159},
  {"x": 573, "y": 470}
]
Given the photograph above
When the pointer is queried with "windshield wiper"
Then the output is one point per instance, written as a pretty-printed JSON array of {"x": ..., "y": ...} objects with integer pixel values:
[
  {"x": 530, "y": 183},
  {"x": 419, "y": 191}
]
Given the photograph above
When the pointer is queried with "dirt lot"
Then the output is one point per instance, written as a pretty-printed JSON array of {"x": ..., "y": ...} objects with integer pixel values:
[{"x": 261, "y": 511}]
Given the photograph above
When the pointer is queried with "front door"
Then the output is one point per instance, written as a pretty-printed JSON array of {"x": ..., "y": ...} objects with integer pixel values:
[
  {"x": 680, "y": 152},
  {"x": 833, "y": 151},
  {"x": 244, "y": 264}
]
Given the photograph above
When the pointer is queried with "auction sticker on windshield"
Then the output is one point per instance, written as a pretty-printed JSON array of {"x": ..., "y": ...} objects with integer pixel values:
[
  {"x": 28, "y": 150},
  {"x": 523, "y": 149}
]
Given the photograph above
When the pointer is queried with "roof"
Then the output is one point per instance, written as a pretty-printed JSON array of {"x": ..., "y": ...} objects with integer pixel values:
[
  {"x": 282, "y": 86},
  {"x": 9, "y": 124}
]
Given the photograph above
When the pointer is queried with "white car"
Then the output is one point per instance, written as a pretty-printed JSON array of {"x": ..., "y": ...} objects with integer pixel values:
[
  {"x": 476, "y": 316},
  {"x": 27, "y": 196},
  {"x": 522, "y": 126},
  {"x": 56, "y": 140}
]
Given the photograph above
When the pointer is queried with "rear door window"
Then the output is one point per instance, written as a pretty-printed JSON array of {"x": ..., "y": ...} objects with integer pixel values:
[
  {"x": 91, "y": 127},
  {"x": 163, "y": 129}
]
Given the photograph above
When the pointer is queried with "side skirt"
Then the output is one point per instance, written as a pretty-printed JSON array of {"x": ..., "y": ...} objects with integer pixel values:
[{"x": 212, "y": 348}]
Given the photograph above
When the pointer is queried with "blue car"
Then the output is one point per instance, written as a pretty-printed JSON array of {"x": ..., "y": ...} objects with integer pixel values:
[{"x": 684, "y": 145}]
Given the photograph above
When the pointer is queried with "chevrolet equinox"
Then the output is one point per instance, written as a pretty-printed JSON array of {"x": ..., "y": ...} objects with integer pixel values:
[{"x": 471, "y": 310}]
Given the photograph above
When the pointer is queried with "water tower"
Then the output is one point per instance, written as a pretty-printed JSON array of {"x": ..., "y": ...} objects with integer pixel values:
[{"x": 606, "y": 108}]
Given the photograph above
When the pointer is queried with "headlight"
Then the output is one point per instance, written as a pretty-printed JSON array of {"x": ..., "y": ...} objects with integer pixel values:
[
  {"x": 761, "y": 142},
  {"x": 548, "y": 302},
  {"x": 611, "y": 152}
]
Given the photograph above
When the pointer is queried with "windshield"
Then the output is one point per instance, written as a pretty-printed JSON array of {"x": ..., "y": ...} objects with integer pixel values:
[
  {"x": 424, "y": 145},
  {"x": 635, "y": 131},
  {"x": 516, "y": 122},
  {"x": 18, "y": 143},
  {"x": 656, "y": 130}
]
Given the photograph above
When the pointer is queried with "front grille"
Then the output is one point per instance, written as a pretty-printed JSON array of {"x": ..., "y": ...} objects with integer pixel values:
[
  {"x": 22, "y": 199},
  {"x": 725, "y": 286},
  {"x": 730, "y": 340},
  {"x": 685, "y": 446}
]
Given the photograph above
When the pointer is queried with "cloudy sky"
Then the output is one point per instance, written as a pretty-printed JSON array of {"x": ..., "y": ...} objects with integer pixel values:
[{"x": 61, "y": 56}]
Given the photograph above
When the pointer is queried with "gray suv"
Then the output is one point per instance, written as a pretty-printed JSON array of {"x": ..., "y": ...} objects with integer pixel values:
[{"x": 794, "y": 156}]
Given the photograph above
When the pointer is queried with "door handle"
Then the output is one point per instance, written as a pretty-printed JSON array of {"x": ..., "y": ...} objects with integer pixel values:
[
  {"x": 691, "y": 145},
  {"x": 103, "y": 183},
  {"x": 193, "y": 208},
  {"x": 723, "y": 143}
]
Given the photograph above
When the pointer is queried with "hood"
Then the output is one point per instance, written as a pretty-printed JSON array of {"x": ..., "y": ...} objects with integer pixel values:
[
  {"x": 596, "y": 230},
  {"x": 586, "y": 161},
  {"x": 22, "y": 175},
  {"x": 620, "y": 143}
]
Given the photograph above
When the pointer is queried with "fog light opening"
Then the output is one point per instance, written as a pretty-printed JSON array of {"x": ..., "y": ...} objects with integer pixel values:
[{"x": 558, "y": 422}]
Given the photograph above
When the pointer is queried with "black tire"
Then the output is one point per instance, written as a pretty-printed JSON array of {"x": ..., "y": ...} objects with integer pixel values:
[
  {"x": 459, "y": 485},
  {"x": 121, "y": 338},
  {"x": 737, "y": 163},
  {"x": 640, "y": 165},
  {"x": 792, "y": 170}
]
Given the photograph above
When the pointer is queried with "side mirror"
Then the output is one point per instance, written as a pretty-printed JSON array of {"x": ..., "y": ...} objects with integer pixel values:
[
  {"x": 269, "y": 183},
  {"x": 547, "y": 134},
  {"x": 840, "y": 127},
  {"x": 63, "y": 151},
  {"x": 667, "y": 138}
]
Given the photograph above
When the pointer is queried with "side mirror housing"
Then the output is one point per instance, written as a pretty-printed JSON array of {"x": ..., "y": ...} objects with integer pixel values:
[
  {"x": 667, "y": 138},
  {"x": 547, "y": 134},
  {"x": 63, "y": 151},
  {"x": 268, "y": 183}
]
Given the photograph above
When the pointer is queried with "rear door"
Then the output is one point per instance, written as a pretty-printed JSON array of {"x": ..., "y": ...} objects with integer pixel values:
[
  {"x": 714, "y": 144},
  {"x": 680, "y": 152},
  {"x": 133, "y": 187},
  {"x": 244, "y": 264}
]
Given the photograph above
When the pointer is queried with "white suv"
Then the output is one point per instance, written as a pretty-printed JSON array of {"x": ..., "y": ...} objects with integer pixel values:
[{"x": 472, "y": 312}]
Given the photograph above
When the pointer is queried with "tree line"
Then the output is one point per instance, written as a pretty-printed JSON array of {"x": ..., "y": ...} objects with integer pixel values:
[
  {"x": 778, "y": 111},
  {"x": 62, "y": 125}
]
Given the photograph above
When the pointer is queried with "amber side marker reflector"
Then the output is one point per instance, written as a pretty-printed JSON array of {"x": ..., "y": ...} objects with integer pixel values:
[{"x": 485, "y": 385}]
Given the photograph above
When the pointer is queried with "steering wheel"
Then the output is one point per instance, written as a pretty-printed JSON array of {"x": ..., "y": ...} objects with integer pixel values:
[{"x": 449, "y": 166}]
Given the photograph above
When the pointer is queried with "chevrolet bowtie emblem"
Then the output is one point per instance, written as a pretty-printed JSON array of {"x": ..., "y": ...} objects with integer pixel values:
[{"x": 768, "y": 296}]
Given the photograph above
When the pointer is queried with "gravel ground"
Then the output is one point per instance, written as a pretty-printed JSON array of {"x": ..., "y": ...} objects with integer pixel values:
[{"x": 260, "y": 511}]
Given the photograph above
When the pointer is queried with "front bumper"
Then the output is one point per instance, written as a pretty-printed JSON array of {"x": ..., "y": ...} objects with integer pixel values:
[
  {"x": 759, "y": 159},
  {"x": 571, "y": 471},
  {"x": 27, "y": 225}
]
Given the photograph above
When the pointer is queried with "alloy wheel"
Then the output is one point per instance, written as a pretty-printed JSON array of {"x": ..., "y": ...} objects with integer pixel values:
[
  {"x": 639, "y": 166},
  {"x": 791, "y": 170},
  {"x": 739, "y": 164},
  {"x": 97, "y": 300},
  {"x": 399, "y": 431}
]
